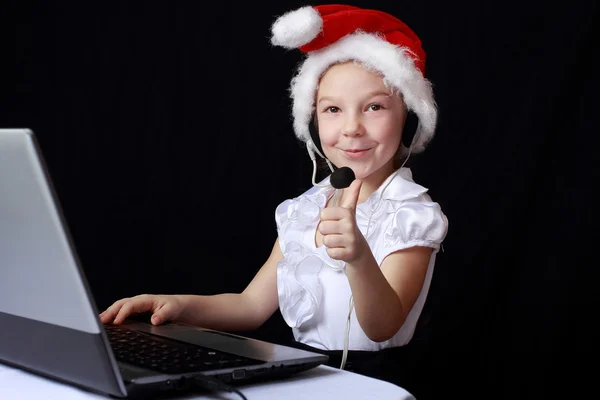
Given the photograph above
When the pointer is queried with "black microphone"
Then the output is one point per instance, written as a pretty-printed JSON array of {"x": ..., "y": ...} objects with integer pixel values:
[{"x": 340, "y": 179}]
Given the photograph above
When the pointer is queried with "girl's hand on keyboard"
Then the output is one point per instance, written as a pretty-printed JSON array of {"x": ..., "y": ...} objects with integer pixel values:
[{"x": 162, "y": 307}]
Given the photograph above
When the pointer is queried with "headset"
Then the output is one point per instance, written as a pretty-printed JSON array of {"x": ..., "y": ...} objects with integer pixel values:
[{"x": 314, "y": 148}]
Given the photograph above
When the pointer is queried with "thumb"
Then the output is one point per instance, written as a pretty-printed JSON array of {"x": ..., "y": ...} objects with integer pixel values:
[
  {"x": 351, "y": 196},
  {"x": 161, "y": 315},
  {"x": 157, "y": 318}
]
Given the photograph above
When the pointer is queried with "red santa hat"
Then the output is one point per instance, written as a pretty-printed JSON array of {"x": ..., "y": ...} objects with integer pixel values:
[{"x": 331, "y": 34}]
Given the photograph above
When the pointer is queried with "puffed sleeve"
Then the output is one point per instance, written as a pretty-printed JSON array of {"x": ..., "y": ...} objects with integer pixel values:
[
  {"x": 415, "y": 222},
  {"x": 281, "y": 212}
]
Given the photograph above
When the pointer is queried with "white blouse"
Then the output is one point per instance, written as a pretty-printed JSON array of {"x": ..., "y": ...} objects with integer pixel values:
[{"x": 314, "y": 292}]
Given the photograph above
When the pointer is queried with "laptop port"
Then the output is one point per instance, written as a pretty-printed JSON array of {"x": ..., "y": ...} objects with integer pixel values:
[
  {"x": 167, "y": 385},
  {"x": 238, "y": 374},
  {"x": 174, "y": 384}
]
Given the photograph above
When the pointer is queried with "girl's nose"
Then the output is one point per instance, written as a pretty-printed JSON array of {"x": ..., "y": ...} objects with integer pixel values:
[{"x": 352, "y": 126}]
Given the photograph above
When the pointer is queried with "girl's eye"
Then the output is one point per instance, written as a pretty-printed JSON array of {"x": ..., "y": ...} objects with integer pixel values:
[
  {"x": 375, "y": 107},
  {"x": 332, "y": 109}
]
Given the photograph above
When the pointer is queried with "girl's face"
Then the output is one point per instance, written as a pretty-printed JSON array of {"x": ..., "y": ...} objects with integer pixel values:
[{"x": 360, "y": 121}]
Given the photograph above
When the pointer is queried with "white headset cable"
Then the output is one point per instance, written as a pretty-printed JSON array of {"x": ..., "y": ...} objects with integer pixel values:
[
  {"x": 310, "y": 147},
  {"x": 351, "y": 307}
]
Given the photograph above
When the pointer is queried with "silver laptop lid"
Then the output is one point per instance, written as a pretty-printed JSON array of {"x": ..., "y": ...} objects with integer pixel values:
[{"x": 40, "y": 277}]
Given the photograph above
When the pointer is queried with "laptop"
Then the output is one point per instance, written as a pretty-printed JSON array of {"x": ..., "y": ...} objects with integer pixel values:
[{"x": 50, "y": 323}]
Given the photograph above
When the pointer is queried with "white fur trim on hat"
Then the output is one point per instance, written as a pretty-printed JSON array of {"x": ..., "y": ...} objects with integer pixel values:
[
  {"x": 378, "y": 55},
  {"x": 297, "y": 28}
]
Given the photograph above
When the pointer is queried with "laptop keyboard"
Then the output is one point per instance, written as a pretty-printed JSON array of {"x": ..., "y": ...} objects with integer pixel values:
[{"x": 168, "y": 356}]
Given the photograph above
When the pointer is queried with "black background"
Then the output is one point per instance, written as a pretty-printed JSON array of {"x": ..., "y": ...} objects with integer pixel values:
[{"x": 166, "y": 127}]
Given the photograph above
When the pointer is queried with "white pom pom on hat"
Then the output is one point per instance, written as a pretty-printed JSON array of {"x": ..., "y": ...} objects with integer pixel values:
[
  {"x": 331, "y": 34},
  {"x": 297, "y": 28}
]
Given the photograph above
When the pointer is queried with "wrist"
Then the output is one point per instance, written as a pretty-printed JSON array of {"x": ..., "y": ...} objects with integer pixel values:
[{"x": 183, "y": 305}]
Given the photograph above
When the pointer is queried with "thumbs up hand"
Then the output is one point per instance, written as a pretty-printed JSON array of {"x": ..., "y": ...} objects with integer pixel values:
[{"x": 341, "y": 235}]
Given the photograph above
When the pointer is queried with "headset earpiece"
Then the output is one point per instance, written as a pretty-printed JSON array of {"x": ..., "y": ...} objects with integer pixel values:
[
  {"x": 313, "y": 146},
  {"x": 410, "y": 129},
  {"x": 314, "y": 135}
]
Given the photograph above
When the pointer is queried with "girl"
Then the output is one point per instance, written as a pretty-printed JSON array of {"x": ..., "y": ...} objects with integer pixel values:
[{"x": 351, "y": 271}]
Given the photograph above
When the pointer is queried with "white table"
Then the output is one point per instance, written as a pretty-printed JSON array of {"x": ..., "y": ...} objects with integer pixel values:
[{"x": 319, "y": 383}]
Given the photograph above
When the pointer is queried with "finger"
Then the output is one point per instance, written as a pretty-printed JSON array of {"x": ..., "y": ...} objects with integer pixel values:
[
  {"x": 337, "y": 253},
  {"x": 109, "y": 314},
  {"x": 329, "y": 227},
  {"x": 333, "y": 241},
  {"x": 344, "y": 226},
  {"x": 334, "y": 214},
  {"x": 106, "y": 317},
  {"x": 136, "y": 305},
  {"x": 350, "y": 198}
]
